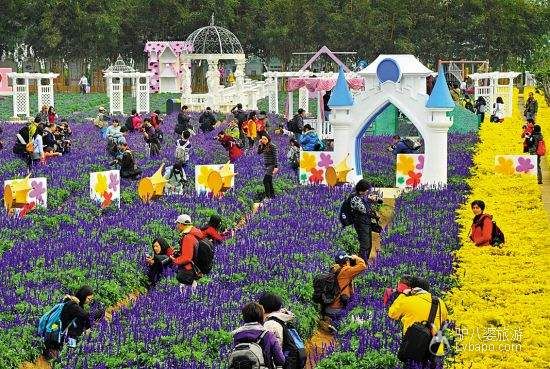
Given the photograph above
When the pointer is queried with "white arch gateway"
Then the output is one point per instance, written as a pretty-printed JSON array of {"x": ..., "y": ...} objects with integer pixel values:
[{"x": 399, "y": 80}]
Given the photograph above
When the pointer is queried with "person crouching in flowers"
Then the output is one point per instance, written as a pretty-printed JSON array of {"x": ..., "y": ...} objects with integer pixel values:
[
  {"x": 482, "y": 225},
  {"x": 230, "y": 145},
  {"x": 158, "y": 261},
  {"x": 413, "y": 306},
  {"x": 189, "y": 240},
  {"x": 74, "y": 321}
]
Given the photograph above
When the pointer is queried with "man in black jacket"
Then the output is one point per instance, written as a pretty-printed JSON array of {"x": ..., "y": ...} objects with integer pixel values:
[
  {"x": 183, "y": 121},
  {"x": 363, "y": 214},
  {"x": 207, "y": 120},
  {"x": 296, "y": 124},
  {"x": 271, "y": 165},
  {"x": 241, "y": 117},
  {"x": 128, "y": 168}
]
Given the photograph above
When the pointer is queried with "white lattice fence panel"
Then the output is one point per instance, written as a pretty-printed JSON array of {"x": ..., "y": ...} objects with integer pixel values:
[
  {"x": 273, "y": 98},
  {"x": 45, "y": 96},
  {"x": 142, "y": 98},
  {"x": 303, "y": 99},
  {"x": 116, "y": 98},
  {"x": 21, "y": 100},
  {"x": 487, "y": 93},
  {"x": 506, "y": 93}
]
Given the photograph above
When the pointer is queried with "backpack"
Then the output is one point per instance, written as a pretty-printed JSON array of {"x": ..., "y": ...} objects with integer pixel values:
[
  {"x": 292, "y": 125},
  {"x": 128, "y": 124},
  {"x": 248, "y": 355},
  {"x": 203, "y": 257},
  {"x": 346, "y": 215},
  {"x": 497, "y": 236},
  {"x": 325, "y": 288},
  {"x": 541, "y": 148},
  {"x": 182, "y": 151},
  {"x": 293, "y": 346},
  {"x": 415, "y": 344},
  {"x": 159, "y": 135},
  {"x": 50, "y": 326}
]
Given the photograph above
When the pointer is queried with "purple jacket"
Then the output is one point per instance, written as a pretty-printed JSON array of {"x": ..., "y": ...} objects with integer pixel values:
[{"x": 250, "y": 332}]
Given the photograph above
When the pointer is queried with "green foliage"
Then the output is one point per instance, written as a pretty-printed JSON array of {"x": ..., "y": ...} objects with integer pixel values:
[
  {"x": 18, "y": 344},
  {"x": 349, "y": 360},
  {"x": 56, "y": 197}
]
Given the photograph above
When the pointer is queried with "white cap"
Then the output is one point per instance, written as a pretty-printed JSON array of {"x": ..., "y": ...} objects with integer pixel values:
[{"x": 184, "y": 219}]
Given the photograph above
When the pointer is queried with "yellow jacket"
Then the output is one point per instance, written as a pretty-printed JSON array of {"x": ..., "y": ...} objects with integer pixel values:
[{"x": 416, "y": 308}]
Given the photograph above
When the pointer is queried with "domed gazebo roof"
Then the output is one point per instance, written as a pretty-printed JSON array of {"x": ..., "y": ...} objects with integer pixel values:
[{"x": 214, "y": 40}]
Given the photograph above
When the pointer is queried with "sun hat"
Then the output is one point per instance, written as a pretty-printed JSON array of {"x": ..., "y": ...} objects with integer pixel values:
[{"x": 186, "y": 220}]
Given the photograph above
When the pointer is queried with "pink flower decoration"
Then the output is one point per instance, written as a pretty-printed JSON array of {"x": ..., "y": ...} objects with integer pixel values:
[
  {"x": 37, "y": 191},
  {"x": 325, "y": 160},
  {"x": 113, "y": 182},
  {"x": 420, "y": 164},
  {"x": 524, "y": 165}
]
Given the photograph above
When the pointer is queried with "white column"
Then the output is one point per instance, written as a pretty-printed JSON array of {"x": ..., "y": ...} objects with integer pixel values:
[
  {"x": 45, "y": 93},
  {"x": 239, "y": 79},
  {"x": 142, "y": 95},
  {"x": 271, "y": 85},
  {"x": 116, "y": 94},
  {"x": 185, "y": 78},
  {"x": 303, "y": 99},
  {"x": 435, "y": 143},
  {"x": 213, "y": 82},
  {"x": 290, "y": 105},
  {"x": 344, "y": 142},
  {"x": 320, "y": 117},
  {"x": 20, "y": 95}
]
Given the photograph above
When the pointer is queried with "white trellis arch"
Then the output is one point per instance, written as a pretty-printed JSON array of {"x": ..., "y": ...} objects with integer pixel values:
[
  {"x": 399, "y": 80},
  {"x": 495, "y": 84},
  {"x": 115, "y": 75},
  {"x": 44, "y": 87}
]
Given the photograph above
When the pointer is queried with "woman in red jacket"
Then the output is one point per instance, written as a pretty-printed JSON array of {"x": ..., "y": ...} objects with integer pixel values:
[
  {"x": 230, "y": 145},
  {"x": 212, "y": 229},
  {"x": 482, "y": 226}
]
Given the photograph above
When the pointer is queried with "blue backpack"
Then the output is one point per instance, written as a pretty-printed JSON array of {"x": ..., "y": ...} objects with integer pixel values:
[
  {"x": 50, "y": 326},
  {"x": 293, "y": 346}
]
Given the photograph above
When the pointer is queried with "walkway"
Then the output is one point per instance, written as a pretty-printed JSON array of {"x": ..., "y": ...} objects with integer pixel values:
[
  {"x": 321, "y": 341},
  {"x": 545, "y": 186}
]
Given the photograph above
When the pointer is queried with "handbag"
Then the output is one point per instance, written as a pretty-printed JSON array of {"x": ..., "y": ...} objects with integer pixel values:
[
  {"x": 29, "y": 146},
  {"x": 416, "y": 341}
]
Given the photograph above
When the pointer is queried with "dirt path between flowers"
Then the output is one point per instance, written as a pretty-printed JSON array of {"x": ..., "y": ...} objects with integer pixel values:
[
  {"x": 126, "y": 302},
  {"x": 545, "y": 186},
  {"x": 321, "y": 341}
]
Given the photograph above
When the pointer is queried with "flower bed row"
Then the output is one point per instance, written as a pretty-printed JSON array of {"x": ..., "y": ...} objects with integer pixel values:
[
  {"x": 499, "y": 303},
  {"x": 420, "y": 242}
]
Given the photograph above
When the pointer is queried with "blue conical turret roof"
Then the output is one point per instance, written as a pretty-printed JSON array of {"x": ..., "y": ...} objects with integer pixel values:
[
  {"x": 341, "y": 95},
  {"x": 440, "y": 97}
]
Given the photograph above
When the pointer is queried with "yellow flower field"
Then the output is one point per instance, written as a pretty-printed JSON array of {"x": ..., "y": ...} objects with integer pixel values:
[{"x": 501, "y": 306}]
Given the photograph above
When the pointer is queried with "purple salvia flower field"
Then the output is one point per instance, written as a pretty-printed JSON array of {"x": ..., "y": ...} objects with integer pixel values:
[{"x": 290, "y": 239}]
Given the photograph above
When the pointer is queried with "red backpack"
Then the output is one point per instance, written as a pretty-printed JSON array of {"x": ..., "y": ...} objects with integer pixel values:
[{"x": 541, "y": 148}]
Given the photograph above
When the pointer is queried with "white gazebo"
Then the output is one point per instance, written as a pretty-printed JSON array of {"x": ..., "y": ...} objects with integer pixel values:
[
  {"x": 114, "y": 75},
  {"x": 213, "y": 43},
  {"x": 495, "y": 84},
  {"x": 44, "y": 86}
]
